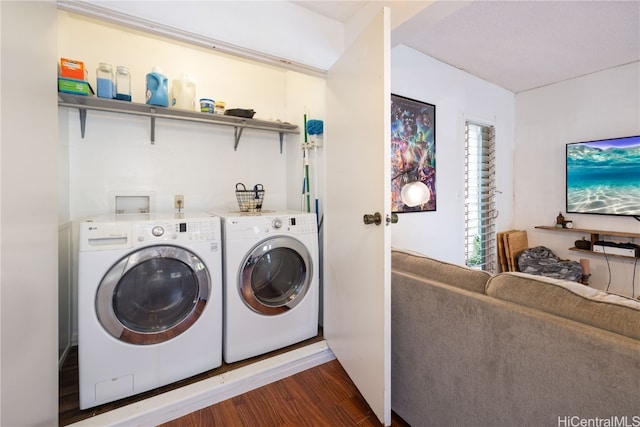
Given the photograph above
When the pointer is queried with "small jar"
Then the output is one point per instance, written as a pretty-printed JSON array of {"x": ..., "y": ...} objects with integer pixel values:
[
  {"x": 123, "y": 83},
  {"x": 105, "y": 81},
  {"x": 219, "y": 107},
  {"x": 207, "y": 105}
]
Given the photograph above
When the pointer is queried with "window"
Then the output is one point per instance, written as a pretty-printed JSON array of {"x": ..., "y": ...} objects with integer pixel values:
[{"x": 480, "y": 188}]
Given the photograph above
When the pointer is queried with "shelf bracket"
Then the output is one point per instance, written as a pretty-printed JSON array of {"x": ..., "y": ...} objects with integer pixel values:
[
  {"x": 153, "y": 126},
  {"x": 237, "y": 134},
  {"x": 281, "y": 139},
  {"x": 83, "y": 121}
]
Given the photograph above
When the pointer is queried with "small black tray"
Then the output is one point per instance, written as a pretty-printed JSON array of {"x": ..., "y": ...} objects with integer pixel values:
[{"x": 240, "y": 112}]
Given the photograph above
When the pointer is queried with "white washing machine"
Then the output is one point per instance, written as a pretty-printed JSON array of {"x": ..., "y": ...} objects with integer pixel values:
[
  {"x": 271, "y": 286},
  {"x": 149, "y": 302}
]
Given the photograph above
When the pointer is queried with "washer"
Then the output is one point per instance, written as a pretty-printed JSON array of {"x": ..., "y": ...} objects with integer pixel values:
[
  {"x": 271, "y": 282},
  {"x": 149, "y": 302}
]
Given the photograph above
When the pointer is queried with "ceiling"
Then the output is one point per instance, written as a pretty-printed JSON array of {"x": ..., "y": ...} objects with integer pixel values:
[{"x": 518, "y": 45}]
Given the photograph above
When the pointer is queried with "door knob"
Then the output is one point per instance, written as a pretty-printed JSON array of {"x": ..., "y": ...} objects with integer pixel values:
[{"x": 376, "y": 219}]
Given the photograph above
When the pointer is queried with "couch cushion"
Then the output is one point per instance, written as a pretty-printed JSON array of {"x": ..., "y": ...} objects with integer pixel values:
[
  {"x": 450, "y": 274},
  {"x": 569, "y": 300}
]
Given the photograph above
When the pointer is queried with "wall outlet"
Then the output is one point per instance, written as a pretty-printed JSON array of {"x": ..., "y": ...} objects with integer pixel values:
[{"x": 178, "y": 201}]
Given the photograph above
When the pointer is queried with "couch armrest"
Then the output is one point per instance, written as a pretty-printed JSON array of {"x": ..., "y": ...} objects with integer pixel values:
[
  {"x": 569, "y": 300},
  {"x": 441, "y": 271}
]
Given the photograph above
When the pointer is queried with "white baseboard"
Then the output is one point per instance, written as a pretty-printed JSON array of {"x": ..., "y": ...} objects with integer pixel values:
[{"x": 177, "y": 403}]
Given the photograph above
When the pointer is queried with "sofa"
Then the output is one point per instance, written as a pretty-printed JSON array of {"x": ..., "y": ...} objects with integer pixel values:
[{"x": 474, "y": 349}]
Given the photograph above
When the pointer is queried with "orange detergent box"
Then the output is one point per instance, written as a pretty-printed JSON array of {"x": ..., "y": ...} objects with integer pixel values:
[{"x": 72, "y": 69}]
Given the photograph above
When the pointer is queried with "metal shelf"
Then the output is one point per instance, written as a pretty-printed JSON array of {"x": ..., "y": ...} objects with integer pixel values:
[{"x": 84, "y": 103}]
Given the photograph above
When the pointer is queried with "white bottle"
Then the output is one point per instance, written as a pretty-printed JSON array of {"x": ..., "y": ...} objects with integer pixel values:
[{"x": 183, "y": 93}]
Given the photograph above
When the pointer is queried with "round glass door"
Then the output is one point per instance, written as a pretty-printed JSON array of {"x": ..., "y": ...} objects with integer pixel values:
[
  {"x": 275, "y": 275},
  {"x": 153, "y": 294}
]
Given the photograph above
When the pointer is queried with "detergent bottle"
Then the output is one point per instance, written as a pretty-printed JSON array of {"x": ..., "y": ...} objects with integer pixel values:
[
  {"x": 157, "y": 88},
  {"x": 183, "y": 93}
]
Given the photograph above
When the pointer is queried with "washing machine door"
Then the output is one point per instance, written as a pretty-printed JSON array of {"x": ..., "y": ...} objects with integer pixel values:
[
  {"x": 275, "y": 275},
  {"x": 153, "y": 294}
]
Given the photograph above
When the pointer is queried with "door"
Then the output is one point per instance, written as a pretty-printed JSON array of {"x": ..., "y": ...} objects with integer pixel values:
[
  {"x": 357, "y": 277},
  {"x": 153, "y": 294}
]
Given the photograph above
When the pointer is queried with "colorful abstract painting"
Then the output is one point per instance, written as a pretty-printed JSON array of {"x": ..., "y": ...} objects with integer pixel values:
[{"x": 413, "y": 150}]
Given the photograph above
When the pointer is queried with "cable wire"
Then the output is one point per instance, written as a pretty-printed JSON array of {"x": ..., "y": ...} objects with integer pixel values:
[{"x": 608, "y": 267}]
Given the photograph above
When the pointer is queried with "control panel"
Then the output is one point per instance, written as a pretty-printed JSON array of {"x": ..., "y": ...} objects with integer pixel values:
[
  {"x": 250, "y": 227},
  {"x": 177, "y": 231}
]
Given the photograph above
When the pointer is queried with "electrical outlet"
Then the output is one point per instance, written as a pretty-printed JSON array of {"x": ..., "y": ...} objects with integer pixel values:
[{"x": 178, "y": 201}]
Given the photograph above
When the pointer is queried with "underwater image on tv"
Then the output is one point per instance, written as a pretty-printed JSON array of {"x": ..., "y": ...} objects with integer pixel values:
[{"x": 603, "y": 177}]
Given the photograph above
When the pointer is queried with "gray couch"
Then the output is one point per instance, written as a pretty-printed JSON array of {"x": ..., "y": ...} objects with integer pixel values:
[{"x": 512, "y": 349}]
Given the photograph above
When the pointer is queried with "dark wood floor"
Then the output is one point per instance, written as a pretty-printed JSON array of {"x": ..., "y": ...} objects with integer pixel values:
[
  {"x": 69, "y": 402},
  {"x": 319, "y": 396}
]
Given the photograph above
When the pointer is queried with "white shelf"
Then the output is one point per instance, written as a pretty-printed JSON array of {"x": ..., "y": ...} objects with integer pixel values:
[{"x": 84, "y": 103}]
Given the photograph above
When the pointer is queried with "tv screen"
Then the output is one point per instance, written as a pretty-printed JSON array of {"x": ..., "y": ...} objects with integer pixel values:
[{"x": 603, "y": 176}]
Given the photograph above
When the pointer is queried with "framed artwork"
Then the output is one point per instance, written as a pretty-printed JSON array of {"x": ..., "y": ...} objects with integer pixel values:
[{"x": 413, "y": 153}]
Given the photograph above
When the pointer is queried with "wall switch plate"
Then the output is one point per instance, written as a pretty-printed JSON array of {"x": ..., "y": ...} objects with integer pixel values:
[{"x": 178, "y": 201}]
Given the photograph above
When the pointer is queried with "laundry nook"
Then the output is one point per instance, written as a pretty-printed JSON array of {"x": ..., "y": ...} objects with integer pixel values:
[{"x": 319, "y": 213}]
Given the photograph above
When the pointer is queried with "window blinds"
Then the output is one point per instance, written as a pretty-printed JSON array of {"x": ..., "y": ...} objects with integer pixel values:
[{"x": 480, "y": 189}]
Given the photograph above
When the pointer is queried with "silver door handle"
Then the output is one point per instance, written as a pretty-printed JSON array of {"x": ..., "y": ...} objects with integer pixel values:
[{"x": 376, "y": 218}]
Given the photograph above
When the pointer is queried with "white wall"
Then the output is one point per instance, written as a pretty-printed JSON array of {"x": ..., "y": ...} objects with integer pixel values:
[
  {"x": 457, "y": 96},
  {"x": 279, "y": 28},
  {"x": 195, "y": 160},
  {"x": 191, "y": 159},
  {"x": 600, "y": 105},
  {"x": 28, "y": 197}
]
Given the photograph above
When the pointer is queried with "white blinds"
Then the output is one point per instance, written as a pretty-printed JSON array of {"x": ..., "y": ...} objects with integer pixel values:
[{"x": 480, "y": 207}]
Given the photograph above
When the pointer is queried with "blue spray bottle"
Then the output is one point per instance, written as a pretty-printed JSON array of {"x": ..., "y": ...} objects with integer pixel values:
[{"x": 157, "y": 88}]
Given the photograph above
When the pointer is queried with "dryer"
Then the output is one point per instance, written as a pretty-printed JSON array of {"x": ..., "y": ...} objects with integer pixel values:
[
  {"x": 271, "y": 285},
  {"x": 149, "y": 302}
]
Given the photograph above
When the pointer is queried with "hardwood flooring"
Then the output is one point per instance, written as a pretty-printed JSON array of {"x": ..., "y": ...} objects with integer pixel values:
[
  {"x": 68, "y": 398},
  {"x": 320, "y": 396}
]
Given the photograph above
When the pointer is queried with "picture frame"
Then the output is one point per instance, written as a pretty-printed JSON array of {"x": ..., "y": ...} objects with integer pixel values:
[{"x": 413, "y": 151}]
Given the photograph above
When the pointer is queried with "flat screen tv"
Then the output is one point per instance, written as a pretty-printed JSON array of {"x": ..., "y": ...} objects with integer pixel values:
[{"x": 603, "y": 177}]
